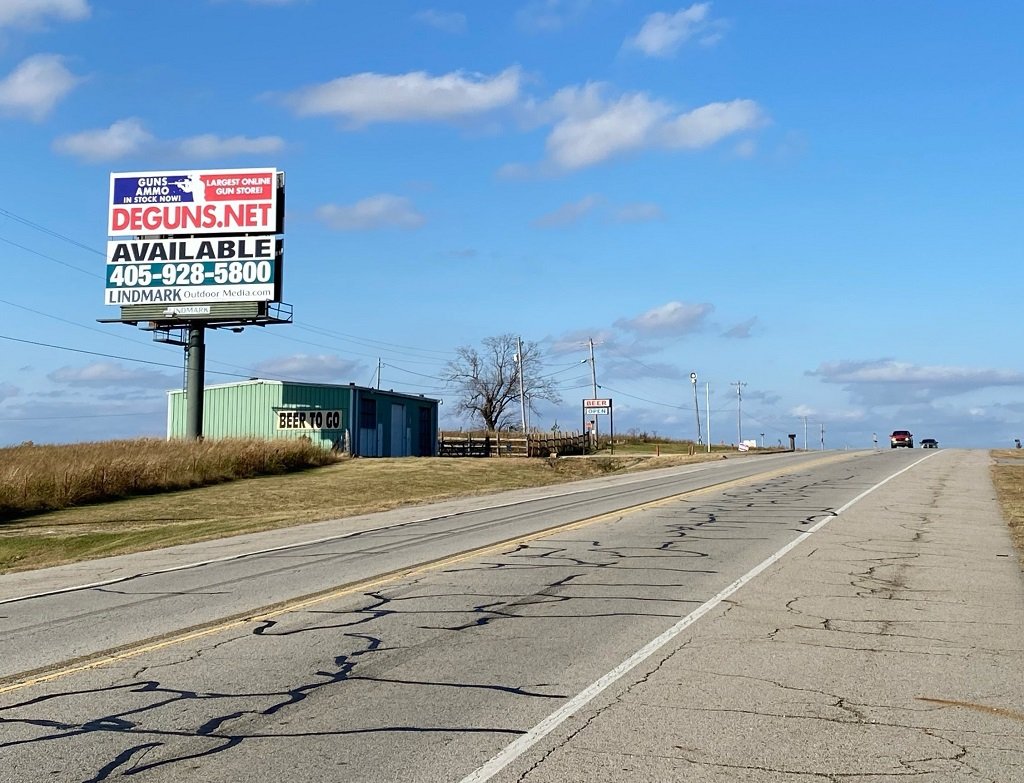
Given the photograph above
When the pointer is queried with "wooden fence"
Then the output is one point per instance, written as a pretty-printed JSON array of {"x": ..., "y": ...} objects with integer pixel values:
[{"x": 498, "y": 444}]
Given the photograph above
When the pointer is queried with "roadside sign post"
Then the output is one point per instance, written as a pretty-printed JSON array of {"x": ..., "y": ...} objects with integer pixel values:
[{"x": 600, "y": 407}]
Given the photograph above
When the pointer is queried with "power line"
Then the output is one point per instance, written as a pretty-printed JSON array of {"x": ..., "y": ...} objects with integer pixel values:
[
  {"x": 87, "y": 416},
  {"x": 26, "y": 222},
  {"x": 104, "y": 355},
  {"x": 51, "y": 258},
  {"x": 106, "y": 332},
  {"x": 369, "y": 342},
  {"x": 642, "y": 399}
]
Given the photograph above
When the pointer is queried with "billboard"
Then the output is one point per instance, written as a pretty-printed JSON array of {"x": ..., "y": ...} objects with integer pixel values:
[
  {"x": 195, "y": 270},
  {"x": 193, "y": 203}
]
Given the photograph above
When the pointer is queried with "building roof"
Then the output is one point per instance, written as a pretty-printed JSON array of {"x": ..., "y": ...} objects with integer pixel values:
[{"x": 257, "y": 381}]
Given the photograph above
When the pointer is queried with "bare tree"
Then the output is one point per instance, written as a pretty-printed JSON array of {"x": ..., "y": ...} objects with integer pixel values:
[{"x": 487, "y": 380}]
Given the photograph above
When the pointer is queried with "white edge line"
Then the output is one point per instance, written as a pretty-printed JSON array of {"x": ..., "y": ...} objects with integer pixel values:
[
  {"x": 299, "y": 545},
  {"x": 520, "y": 745}
]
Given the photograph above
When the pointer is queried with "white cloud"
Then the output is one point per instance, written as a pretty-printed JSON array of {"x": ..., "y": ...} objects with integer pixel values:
[
  {"x": 7, "y": 391},
  {"x": 837, "y": 415},
  {"x": 577, "y": 341},
  {"x": 123, "y": 138},
  {"x": 35, "y": 86},
  {"x": 662, "y": 34},
  {"x": 322, "y": 368},
  {"x": 590, "y": 128},
  {"x": 746, "y": 149},
  {"x": 452, "y": 22},
  {"x": 23, "y": 13},
  {"x": 551, "y": 15},
  {"x": 741, "y": 331},
  {"x": 672, "y": 318},
  {"x": 371, "y": 97},
  {"x": 617, "y": 368},
  {"x": 384, "y": 210},
  {"x": 703, "y": 126},
  {"x": 129, "y": 137},
  {"x": 209, "y": 145},
  {"x": 890, "y": 371},
  {"x": 639, "y": 212},
  {"x": 570, "y": 213},
  {"x": 111, "y": 374},
  {"x": 592, "y": 133},
  {"x": 514, "y": 171},
  {"x": 886, "y": 381},
  {"x": 266, "y": 2}
]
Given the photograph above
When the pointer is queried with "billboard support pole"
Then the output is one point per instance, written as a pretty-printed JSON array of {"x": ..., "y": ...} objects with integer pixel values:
[{"x": 195, "y": 373}]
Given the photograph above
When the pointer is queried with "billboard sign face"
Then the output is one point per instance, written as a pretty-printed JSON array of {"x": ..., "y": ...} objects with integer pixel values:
[
  {"x": 193, "y": 203},
  {"x": 189, "y": 271}
]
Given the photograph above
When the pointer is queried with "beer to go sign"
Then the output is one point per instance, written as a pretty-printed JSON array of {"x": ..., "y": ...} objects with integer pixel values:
[{"x": 308, "y": 419}]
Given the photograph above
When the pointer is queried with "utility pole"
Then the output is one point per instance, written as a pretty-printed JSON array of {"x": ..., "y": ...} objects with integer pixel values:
[
  {"x": 378, "y": 372},
  {"x": 805, "y": 432},
  {"x": 696, "y": 407},
  {"x": 522, "y": 393},
  {"x": 739, "y": 411},
  {"x": 822, "y": 437},
  {"x": 593, "y": 378}
]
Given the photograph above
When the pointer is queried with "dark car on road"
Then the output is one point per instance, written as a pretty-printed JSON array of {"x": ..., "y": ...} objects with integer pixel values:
[
  {"x": 929, "y": 443},
  {"x": 901, "y": 438}
]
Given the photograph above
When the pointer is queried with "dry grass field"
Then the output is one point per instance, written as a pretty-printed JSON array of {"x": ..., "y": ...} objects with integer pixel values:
[
  {"x": 35, "y": 479},
  {"x": 1008, "y": 478},
  {"x": 347, "y": 488}
]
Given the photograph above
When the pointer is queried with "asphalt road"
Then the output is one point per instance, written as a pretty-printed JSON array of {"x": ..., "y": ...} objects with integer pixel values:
[{"x": 836, "y": 616}]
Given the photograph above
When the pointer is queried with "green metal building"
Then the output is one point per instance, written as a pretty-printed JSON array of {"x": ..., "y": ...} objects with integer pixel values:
[{"x": 357, "y": 420}]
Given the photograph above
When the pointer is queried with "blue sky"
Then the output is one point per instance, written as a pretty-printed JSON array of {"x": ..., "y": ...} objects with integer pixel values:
[{"x": 820, "y": 200}]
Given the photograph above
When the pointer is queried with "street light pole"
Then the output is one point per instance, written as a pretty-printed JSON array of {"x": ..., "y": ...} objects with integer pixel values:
[{"x": 696, "y": 407}]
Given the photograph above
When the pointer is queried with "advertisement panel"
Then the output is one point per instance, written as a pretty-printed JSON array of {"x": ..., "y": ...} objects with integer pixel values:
[
  {"x": 308, "y": 419},
  {"x": 192, "y": 203},
  {"x": 186, "y": 271}
]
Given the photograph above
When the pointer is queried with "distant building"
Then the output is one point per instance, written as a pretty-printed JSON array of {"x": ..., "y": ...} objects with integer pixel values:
[{"x": 354, "y": 419}]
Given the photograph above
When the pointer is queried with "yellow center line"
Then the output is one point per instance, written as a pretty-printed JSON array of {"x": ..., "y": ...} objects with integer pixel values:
[{"x": 296, "y": 605}]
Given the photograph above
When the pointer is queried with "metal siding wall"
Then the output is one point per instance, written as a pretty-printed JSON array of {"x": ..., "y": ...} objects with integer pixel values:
[
  {"x": 176, "y": 408},
  {"x": 298, "y": 395},
  {"x": 248, "y": 409}
]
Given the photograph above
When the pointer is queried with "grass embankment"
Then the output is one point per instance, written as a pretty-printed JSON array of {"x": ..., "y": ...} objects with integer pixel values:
[
  {"x": 36, "y": 479},
  {"x": 1008, "y": 478},
  {"x": 346, "y": 489}
]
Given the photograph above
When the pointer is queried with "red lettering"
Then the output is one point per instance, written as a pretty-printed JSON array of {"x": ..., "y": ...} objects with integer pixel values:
[
  {"x": 184, "y": 216},
  {"x": 233, "y": 215},
  {"x": 151, "y": 218}
]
